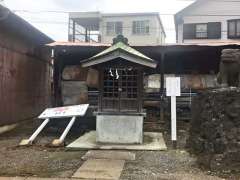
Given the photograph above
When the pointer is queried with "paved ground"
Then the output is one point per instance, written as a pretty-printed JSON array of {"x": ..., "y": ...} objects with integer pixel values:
[
  {"x": 31, "y": 178},
  {"x": 162, "y": 177},
  {"x": 40, "y": 160}
]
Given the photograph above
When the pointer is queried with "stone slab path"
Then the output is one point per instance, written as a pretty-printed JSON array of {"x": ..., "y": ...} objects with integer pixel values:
[
  {"x": 115, "y": 155},
  {"x": 103, "y": 164},
  {"x": 106, "y": 169}
]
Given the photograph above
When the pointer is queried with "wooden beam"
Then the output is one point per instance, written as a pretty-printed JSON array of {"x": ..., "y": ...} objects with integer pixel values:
[
  {"x": 162, "y": 71},
  {"x": 74, "y": 31},
  {"x": 86, "y": 35}
]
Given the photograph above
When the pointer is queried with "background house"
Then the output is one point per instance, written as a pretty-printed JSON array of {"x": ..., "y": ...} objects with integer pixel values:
[
  {"x": 139, "y": 28},
  {"x": 24, "y": 69},
  {"x": 207, "y": 21}
]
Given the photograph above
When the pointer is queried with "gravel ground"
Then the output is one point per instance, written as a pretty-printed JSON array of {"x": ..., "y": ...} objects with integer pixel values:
[
  {"x": 41, "y": 160},
  {"x": 170, "y": 165}
]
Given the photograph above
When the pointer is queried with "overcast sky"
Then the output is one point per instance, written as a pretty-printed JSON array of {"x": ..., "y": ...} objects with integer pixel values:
[{"x": 56, "y": 24}]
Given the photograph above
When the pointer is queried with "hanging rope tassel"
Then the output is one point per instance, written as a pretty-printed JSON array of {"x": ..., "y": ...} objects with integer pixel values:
[
  {"x": 117, "y": 75},
  {"x": 110, "y": 71}
]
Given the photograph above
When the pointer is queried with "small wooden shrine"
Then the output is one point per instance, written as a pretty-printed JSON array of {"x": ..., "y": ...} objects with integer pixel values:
[{"x": 120, "y": 111}]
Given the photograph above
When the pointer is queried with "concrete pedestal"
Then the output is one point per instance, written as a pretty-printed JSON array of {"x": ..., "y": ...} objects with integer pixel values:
[{"x": 120, "y": 129}]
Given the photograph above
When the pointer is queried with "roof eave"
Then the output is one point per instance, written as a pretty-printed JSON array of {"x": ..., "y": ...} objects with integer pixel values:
[
  {"x": 14, "y": 21},
  {"x": 123, "y": 51},
  {"x": 119, "y": 54}
]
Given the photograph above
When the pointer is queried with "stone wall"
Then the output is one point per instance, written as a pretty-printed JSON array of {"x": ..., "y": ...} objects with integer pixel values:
[
  {"x": 215, "y": 129},
  {"x": 75, "y": 83}
]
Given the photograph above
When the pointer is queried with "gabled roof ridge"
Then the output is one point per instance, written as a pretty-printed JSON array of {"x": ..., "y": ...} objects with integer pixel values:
[
  {"x": 120, "y": 49},
  {"x": 124, "y": 47}
]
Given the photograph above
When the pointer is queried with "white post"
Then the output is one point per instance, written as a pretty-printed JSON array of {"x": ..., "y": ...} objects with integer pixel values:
[
  {"x": 69, "y": 126},
  {"x": 60, "y": 141},
  {"x": 29, "y": 141},
  {"x": 35, "y": 134},
  {"x": 173, "y": 90},
  {"x": 174, "y": 118}
]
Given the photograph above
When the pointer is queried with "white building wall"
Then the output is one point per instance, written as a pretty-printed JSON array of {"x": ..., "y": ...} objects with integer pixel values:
[
  {"x": 227, "y": 9},
  {"x": 155, "y": 36},
  {"x": 180, "y": 33}
]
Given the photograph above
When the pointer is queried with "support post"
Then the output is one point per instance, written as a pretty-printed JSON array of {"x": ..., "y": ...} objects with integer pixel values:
[
  {"x": 29, "y": 141},
  {"x": 174, "y": 121},
  {"x": 57, "y": 78},
  {"x": 86, "y": 35},
  {"x": 69, "y": 29},
  {"x": 89, "y": 34},
  {"x": 74, "y": 31},
  {"x": 162, "y": 87},
  {"x": 60, "y": 141},
  {"x": 162, "y": 69}
]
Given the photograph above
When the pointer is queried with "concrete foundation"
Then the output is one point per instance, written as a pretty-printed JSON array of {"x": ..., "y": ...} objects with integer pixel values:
[
  {"x": 151, "y": 142},
  {"x": 119, "y": 129}
]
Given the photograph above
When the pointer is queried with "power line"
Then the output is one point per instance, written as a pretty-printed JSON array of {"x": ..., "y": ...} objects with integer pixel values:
[
  {"x": 65, "y": 12},
  {"x": 161, "y": 14},
  {"x": 66, "y": 23},
  {"x": 124, "y": 27},
  {"x": 167, "y": 14}
]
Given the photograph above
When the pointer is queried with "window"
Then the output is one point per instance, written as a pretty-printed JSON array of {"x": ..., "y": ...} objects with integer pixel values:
[
  {"x": 210, "y": 30},
  {"x": 114, "y": 28},
  {"x": 140, "y": 27},
  {"x": 201, "y": 31},
  {"x": 234, "y": 28}
]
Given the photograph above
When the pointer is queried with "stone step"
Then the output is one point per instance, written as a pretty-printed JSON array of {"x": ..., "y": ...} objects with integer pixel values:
[
  {"x": 106, "y": 169},
  {"x": 114, "y": 155}
]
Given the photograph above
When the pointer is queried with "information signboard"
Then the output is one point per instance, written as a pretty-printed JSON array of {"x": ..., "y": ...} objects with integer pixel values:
[
  {"x": 173, "y": 86},
  {"x": 67, "y": 111}
]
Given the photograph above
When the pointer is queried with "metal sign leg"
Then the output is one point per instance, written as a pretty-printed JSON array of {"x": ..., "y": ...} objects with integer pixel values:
[
  {"x": 29, "y": 141},
  {"x": 60, "y": 141}
]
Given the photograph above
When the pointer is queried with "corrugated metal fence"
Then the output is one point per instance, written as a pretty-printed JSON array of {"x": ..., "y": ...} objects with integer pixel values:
[{"x": 24, "y": 85}]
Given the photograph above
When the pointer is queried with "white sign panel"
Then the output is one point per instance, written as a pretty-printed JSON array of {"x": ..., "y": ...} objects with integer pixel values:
[
  {"x": 173, "y": 86},
  {"x": 67, "y": 111}
]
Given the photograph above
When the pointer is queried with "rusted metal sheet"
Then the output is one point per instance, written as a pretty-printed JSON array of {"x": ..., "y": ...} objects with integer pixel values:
[
  {"x": 188, "y": 81},
  {"x": 198, "y": 81},
  {"x": 78, "y": 73},
  {"x": 74, "y": 92},
  {"x": 25, "y": 81},
  {"x": 93, "y": 78},
  {"x": 75, "y": 73},
  {"x": 24, "y": 86}
]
